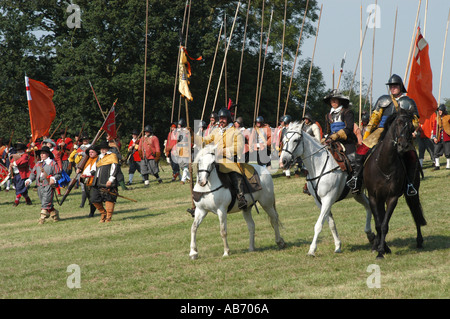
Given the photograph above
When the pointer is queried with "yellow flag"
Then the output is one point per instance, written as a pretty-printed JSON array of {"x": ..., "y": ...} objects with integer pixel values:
[{"x": 184, "y": 74}]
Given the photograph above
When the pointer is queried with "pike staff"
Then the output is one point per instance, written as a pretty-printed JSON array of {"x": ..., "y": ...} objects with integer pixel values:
[
  {"x": 259, "y": 61},
  {"x": 145, "y": 65},
  {"x": 281, "y": 62},
  {"x": 212, "y": 69},
  {"x": 225, "y": 56},
  {"x": 312, "y": 59},
  {"x": 443, "y": 55},
  {"x": 242, "y": 57},
  {"x": 295, "y": 60},
  {"x": 412, "y": 43}
]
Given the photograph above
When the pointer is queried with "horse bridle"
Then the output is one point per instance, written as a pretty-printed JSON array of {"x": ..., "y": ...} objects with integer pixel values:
[
  {"x": 401, "y": 134},
  {"x": 298, "y": 143},
  {"x": 208, "y": 172}
]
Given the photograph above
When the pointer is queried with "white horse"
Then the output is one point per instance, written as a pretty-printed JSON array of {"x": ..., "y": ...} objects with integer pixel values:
[
  {"x": 216, "y": 198},
  {"x": 326, "y": 181}
]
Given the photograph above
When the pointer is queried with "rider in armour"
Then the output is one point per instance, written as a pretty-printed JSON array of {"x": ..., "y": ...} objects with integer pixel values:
[{"x": 385, "y": 106}]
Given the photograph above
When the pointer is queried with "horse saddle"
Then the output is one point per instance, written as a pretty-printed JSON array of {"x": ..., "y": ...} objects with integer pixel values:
[
  {"x": 254, "y": 183},
  {"x": 337, "y": 149}
]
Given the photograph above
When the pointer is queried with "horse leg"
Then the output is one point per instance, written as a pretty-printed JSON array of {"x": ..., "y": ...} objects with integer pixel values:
[
  {"x": 222, "y": 214},
  {"x": 337, "y": 240},
  {"x": 383, "y": 248},
  {"x": 275, "y": 222},
  {"x": 376, "y": 211},
  {"x": 324, "y": 211},
  {"x": 417, "y": 212},
  {"x": 251, "y": 227},
  {"x": 363, "y": 200},
  {"x": 199, "y": 215}
]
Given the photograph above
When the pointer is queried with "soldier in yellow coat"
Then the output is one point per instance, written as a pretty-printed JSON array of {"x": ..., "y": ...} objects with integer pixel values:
[{"x": 230, "y": 149}]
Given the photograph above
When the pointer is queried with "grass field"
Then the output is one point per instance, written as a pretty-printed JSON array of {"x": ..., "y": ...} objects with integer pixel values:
[{"x": 143, "y": 252}]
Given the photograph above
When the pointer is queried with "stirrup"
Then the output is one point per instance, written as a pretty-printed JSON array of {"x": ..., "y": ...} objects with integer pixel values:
[
  {"x": 410, "y": 190},
  {"x": 352, "y": 183}
]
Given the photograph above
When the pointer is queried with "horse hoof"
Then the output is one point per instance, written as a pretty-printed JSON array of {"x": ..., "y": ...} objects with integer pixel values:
[
  {"x": 281, "y": 244},
  {"x": 311, "y": 254},
  {"x": 338, "y": 251},
  {"x": 193, "y": 256},
  {"x": 380, "y": 257}
]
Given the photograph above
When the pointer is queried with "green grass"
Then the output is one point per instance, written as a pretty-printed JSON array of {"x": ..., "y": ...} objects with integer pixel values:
[{"x": 144, "y": 252}]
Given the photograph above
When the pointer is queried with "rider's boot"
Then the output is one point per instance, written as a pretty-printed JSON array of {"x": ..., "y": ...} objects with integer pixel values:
[
  {"x": 238, "y": 183},
  {"x": 355, "y": 183}
]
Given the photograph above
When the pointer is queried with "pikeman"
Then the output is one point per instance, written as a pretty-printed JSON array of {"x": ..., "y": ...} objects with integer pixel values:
[
  {"x": 260, "y": 142},
  {"x": 150, "y": 153},
  {"x": 46, "y": 172},
  {"x": 385, "y": 106},
  {"x": 104, "y": 183},
  {"x": 134, "y": 160},
  {"x": 183, "y": 150},
  {"x": 171, "y": 151},
  {"x": 87, "y": 175}
]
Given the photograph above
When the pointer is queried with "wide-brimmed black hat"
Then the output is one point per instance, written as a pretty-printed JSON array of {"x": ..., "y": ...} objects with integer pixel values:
[
  {"x": 95, "y": 148},
  {"x": 103, "y": 144},
  {"x": 20, "y": 146},
  {"x": 45, "y": 149},
  {"x": 337, "y": 95}
]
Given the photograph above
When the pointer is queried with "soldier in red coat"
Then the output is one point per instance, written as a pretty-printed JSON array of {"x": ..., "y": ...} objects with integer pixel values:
[
  {"x": 150, "y": 153},
  {"x": 64, "y": 145},
  {"x": 20, "y": 167},
  {"x": 133, "y": 157}
]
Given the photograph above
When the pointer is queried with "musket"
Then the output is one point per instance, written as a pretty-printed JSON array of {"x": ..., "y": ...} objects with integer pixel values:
[
  {"x": 55, "y": 130},
  {"x": 105, "y": 190}
]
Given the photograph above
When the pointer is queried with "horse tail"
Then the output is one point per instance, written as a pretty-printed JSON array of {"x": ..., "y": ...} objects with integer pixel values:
[
  {"x": 278, "y": 221},
  {"x": 416, "y": 209}
]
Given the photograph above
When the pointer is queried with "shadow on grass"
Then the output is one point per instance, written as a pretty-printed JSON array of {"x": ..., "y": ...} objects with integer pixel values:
[{"x": 430, "y": 243}]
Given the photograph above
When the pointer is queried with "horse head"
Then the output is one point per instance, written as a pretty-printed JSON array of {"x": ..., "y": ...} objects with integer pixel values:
[
  {"x": 400, "y": 128},
  {"x": 205, "y": 161},
  {"x": 292, "y": 146}
]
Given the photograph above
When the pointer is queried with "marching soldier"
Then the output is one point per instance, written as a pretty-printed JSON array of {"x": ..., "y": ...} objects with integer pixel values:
[
  {"x": 239, "y": 124},
  {"x": 170, "y": 151},
  {"x": 385, "y": 106},
  {"x": 441, "y": 136},
  {"x": 87, "y": 176},
  {"x": 311, "y": 127},
  {"x": 150, "y": 153},
  {"x": 65, "y": 145},
  {"x": 104, "y": 184},
  {"x": 261, "y": 141},
  {"x": 183, "y": 149},
  {"x": 46, "y": 172},
  {"x": 133, "y": 157},
  {"x": 213, "y": 124},
  {"x": 19, "y": 164}
]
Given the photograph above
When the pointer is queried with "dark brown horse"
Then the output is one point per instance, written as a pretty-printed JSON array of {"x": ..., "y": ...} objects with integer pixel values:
[{"x": 389, "y": 171}]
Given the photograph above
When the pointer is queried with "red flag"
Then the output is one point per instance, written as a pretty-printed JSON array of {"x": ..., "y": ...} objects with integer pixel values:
[
  {"x": 41, "y": 108},
  {"x": 110, "y": 123},
  {"x": 420, "y": 86}
]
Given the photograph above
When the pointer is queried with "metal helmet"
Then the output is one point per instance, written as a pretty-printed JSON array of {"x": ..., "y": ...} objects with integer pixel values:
[
  {"x": 396, "y": 79},
  {"x": 365, "y": 118},
  {"x": 148, "y": 128},
  {"x": 225, "y": 113},
  {"x": 240, "y": 121},
  {"x": 203, "y": 124},
  {"x": 134, "y": 132},
  {"x": 287, "y": 119},
  {"x": 308, "y": 116},
  {"x": 215, "y": 116},
  {"x": 182, "y": 122},
  {"x": 442, "y": 108},
  {"x": 260, "y": 119}
]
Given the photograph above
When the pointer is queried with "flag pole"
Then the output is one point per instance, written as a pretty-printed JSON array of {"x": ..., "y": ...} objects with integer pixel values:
[
  {"x": 373, "y": 54},
  {"x": 98, "y": 103},
  {"x": 178, "y": 61},
  {"x": 360, "y": 65},
  {"x": 242, "y": 57},
  {"x": 211, "y": 73},
  {"x": 443, "y": 55},
  {"x": 296, "y": 55},
  {"x": 281, "y": 64},
  {"x": 312, "y": 59},
  {"x": 225, "y": 56},
  {"x": 412, "y": 43}
]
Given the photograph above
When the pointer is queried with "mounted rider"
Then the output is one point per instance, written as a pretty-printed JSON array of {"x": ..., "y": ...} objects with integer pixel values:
[
  {"x": 385, "y": 106},
  {"x": 230, "y": 147},
  {"x": 339, "y": 124}
]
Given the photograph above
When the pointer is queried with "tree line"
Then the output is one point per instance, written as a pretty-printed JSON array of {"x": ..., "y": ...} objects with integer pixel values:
[{"x": 108, "y": 51}]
